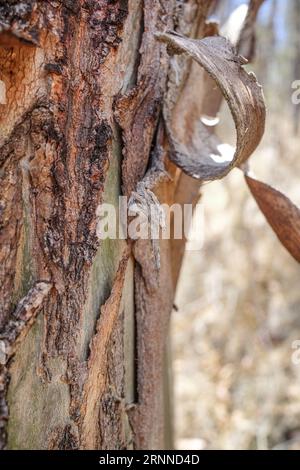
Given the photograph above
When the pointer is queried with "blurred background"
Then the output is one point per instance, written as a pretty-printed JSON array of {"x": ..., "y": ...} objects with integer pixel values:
[{"x": 238, "y": 299}]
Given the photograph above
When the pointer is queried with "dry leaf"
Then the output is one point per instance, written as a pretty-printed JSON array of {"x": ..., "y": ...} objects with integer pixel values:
[
  {"x": 280, "y": 212},
  {"x": 201, "y": 157}
]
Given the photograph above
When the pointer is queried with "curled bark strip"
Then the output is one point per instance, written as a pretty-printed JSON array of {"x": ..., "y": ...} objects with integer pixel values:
[
  {"x": 280, "y": 212},
  {"x": 200, "y": 157}
]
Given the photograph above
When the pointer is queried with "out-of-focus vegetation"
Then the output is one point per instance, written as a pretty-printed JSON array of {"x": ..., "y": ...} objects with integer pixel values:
[{"x": 236, "y": 386}]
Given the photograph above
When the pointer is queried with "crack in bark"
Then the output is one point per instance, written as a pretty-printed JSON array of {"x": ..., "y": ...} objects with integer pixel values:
[{"x": 280, "y": 212}]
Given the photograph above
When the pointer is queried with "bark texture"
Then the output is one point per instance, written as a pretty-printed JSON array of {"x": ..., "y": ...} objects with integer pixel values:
[{"x": 83, "y": 323}]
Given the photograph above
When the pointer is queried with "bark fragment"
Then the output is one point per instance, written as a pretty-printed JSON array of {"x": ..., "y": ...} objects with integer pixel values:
[
  {"x": 247, "y": 41},
  {"x": 138, "y": 110},
  {"x": 201, "y": 157},
  {"x": 94, "y": 386},
  {"x": 11, "y": 335}
]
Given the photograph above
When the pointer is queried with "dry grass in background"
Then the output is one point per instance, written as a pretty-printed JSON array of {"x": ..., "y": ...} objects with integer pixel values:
[{"x": 239, "y": 313}]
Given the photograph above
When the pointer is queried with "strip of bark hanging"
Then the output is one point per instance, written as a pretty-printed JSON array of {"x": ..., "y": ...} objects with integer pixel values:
[
  {"x": 280, "y": 212},
  {"x": 203, "y": 156}
]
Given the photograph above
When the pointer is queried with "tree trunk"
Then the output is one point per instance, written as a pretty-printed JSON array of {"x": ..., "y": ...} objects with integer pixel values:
[{"x": 84, "y": 322}]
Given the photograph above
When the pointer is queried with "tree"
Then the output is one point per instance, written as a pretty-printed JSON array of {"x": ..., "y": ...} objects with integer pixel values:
[
  {"x": 84, "y": 86},
  {"x": 295, "y": 36}
]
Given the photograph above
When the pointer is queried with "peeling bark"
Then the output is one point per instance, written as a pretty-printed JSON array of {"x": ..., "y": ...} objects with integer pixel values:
[
  {"x": 94, "y": 387},
  {"x": 84, "y": 87},
  {"x": 244, "y": 96},
  {"x": 282, "y": 215}
]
